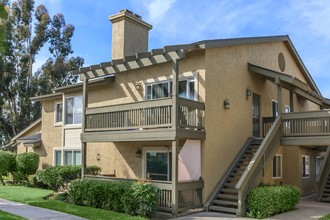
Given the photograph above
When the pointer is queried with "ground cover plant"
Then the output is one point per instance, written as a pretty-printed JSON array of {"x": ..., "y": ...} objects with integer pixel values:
[
  {"x": 266, "y": 201},
  {"x": 39, "y": 197}
]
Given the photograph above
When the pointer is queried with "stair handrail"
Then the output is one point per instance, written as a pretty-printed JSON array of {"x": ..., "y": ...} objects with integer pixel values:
[
  {"x": 228, "y": 172},
  {"x": 253, "y": 173},
  {"x": 321, "y": 179}
]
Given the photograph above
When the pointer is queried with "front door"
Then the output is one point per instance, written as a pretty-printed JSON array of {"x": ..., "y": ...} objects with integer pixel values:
[{"x": 255, "y": 115}]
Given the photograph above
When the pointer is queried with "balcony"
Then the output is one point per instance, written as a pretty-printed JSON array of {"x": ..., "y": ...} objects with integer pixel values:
[
  {"x": 145, "y": 121},
  {"x": 310, "y": 128}
]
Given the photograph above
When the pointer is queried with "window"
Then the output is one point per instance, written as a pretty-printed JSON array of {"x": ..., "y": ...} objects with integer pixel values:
[
  {"x": 287, "y": 110},
  {"x": 73, "y": 110},
  {"x": 318, "y": 164},
  {"x": 305, "y": 166},
  {"x": 71, "y": 157},
  {"x": 164, "y": 89},
  {"x": 158, "y": 165},
  {"x": 187, "y": 89},
  {"x": 274, "y": 108},
  {"x": 277, "y": 166},
  {"x": 58, "y": 112},
  {"x": 58, "y": 158}
]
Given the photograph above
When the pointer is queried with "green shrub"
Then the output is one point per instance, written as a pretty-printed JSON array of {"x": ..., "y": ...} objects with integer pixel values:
[
  {"x": 93, "y": 170},
  {"x": 7, "y": 163},
  {"x": 58, "y": 177},
  {"x": 27, "y": 163},
  {"x": 135, "y": 198},
  {"x": 267, "y": 201}
]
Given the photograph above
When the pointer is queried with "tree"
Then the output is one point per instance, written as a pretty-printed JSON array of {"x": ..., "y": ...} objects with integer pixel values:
[{"x": 17, "y": 81}]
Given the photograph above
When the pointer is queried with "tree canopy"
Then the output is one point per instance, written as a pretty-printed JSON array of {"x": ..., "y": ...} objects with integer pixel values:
[{"x": 27, "y": 30}]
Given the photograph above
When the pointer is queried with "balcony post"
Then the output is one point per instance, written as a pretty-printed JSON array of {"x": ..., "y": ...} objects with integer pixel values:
[
  {"x": 279, "y": 96},
  {"x": 291, "y": 101},
  {"x": 175, "y": 91},
  {"x": 175, "y": 196},
  {"x": 83, "y": 123}
]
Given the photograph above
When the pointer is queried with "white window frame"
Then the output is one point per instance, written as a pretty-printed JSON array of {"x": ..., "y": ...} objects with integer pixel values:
[
  {"x": 56, "y": 123},
  {"x": 62, "y": 150},
  {"x": 281, "y": 167},
  {"x": 144, "y": 159},
  {"x": 274, "y": 101},
  {"x": 73, "y": 124},
  {"x": 307, "y": 173},
  {"x": 287, "y": 110},
  {"x": 188, "y": 79}
]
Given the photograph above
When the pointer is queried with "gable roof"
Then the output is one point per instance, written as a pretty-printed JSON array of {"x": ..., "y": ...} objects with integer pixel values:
[{"x": 169, "y": 53}]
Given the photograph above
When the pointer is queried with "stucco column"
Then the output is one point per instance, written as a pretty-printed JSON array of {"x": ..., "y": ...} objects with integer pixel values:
[
  {"x": 175, "y": 197},
  {"x": 83, "y": 123}
]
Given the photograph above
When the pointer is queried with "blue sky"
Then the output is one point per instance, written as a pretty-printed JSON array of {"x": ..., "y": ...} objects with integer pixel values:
[{"x": 307, "y": 22}]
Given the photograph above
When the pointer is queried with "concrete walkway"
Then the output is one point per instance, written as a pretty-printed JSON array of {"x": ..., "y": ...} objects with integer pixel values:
[
  {"x": 307, "y": 208},
  {"x": 33, "y": 212}
]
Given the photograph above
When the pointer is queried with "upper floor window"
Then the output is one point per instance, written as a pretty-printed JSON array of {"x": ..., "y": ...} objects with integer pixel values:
[
  {"x": 164, "y": 89},
  {"x": 73, "y": 110},
  {"x": 58, "y": 112}
]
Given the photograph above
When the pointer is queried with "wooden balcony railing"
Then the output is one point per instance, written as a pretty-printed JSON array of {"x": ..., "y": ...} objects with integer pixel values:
[
  {"x": 313, "y": 123},
  {"x": 267, "y": 123},
  {"x": 145, "y": 115},
  {"x": 190, "y": 193}
]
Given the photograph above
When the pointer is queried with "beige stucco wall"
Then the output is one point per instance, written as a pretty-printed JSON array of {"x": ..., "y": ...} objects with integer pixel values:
[
  {"x": 51, "y": 134},
  {"x": 227, "y": 77}
]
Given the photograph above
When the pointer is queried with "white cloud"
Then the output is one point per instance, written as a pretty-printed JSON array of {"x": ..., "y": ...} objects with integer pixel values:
[{"x": 157, "y": 9}]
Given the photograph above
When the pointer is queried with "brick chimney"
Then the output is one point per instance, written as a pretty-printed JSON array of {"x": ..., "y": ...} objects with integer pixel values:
[{"x": 129, "y": 34}]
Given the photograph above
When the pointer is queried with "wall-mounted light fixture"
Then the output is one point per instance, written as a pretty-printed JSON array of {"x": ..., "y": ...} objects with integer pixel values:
[
  {"x": 226, "y": 104},
  {"x": 138, "y": 153},
  {"x": 248, "y": 92},
  {"x": 98, "y": 157},
  {"x": 138, "y": 86}
]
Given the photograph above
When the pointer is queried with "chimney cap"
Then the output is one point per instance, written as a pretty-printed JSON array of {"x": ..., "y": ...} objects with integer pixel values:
[{"x": 130, "y": 16}]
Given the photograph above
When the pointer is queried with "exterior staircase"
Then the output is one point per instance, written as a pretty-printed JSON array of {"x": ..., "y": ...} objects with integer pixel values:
[
  {"x": 323, "y": 180},
  {"x": 226, "y": 198},
  {"x": 325, "y": 196}
]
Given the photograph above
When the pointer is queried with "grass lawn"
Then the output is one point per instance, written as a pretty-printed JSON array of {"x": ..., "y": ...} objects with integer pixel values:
[
  {"x": 326, "y": 217},
  {"x": 8, "y": 216},
  {"x": 36, "y": 197}
]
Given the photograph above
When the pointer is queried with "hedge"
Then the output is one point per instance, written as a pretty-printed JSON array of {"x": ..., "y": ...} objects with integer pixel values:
[
  {"x": 266, "y": 201},
  {"x": 7, "y": 163},
  {"x": 134, "y": 198},
  {"x": 60, "y": 176},
  {"x": 27, "y": 163}
]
